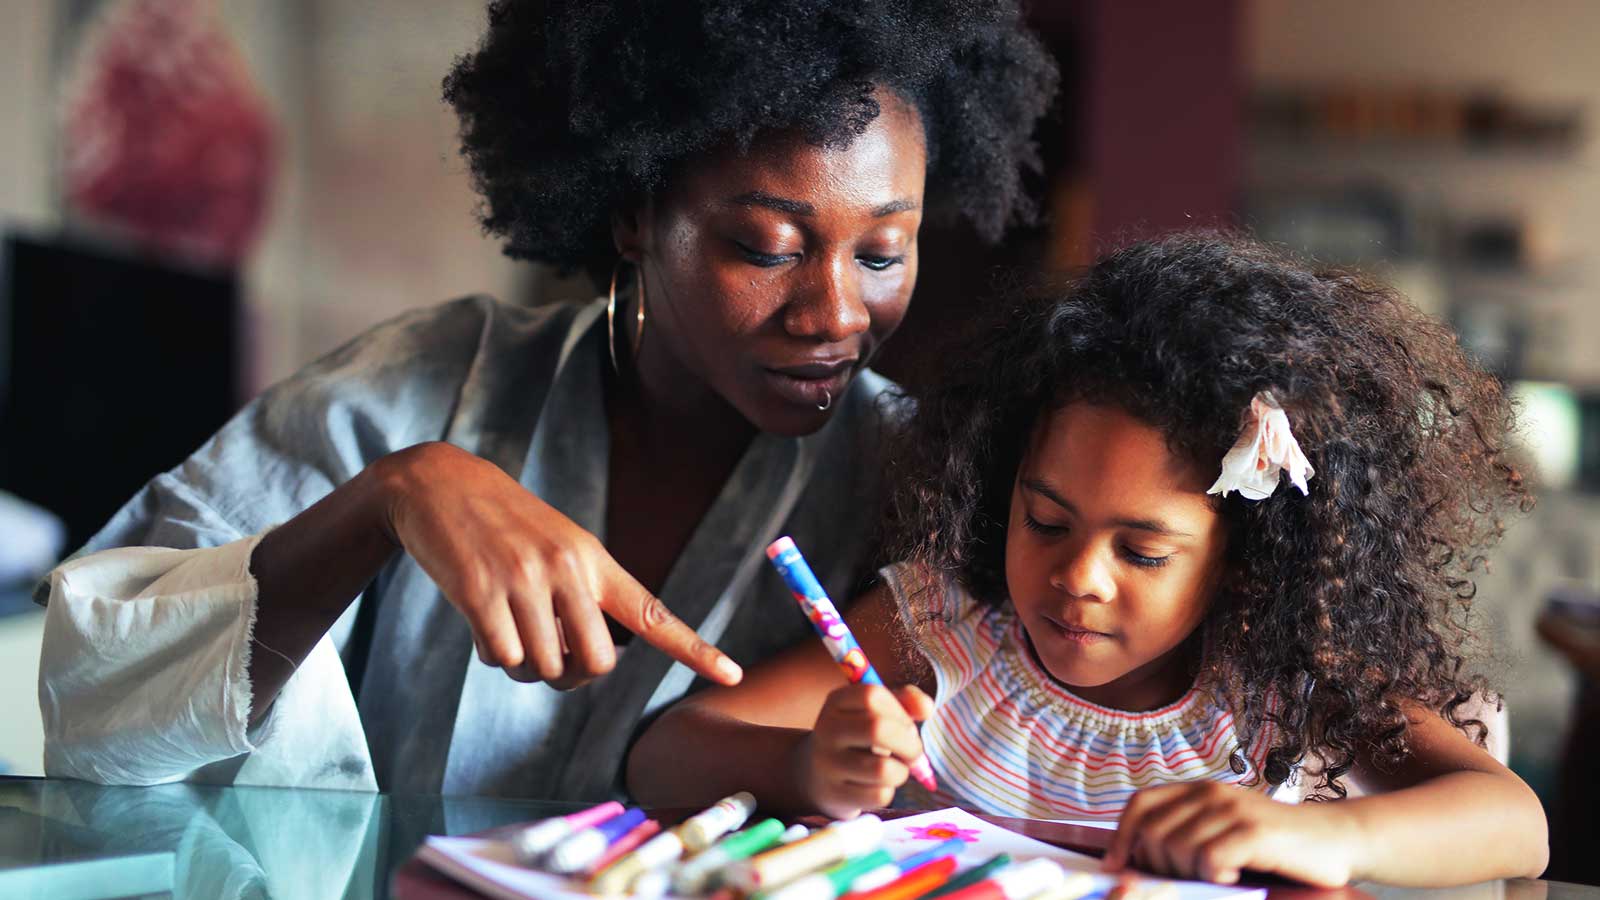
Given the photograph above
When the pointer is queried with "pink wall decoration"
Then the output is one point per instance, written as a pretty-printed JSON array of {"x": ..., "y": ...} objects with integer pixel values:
[{"x": 164, "y": 135}]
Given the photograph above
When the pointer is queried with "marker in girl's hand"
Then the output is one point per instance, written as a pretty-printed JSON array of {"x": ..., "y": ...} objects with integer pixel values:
[{"x": 830, "y": 627}]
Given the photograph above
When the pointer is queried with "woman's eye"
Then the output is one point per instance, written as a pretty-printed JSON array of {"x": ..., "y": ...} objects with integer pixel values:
[
  {"x": 879, "y": 263},
  {"x": 1148, "y": 562},
  {"x": 764, "y": 260},
  {"x": 1039, "y": 527}
]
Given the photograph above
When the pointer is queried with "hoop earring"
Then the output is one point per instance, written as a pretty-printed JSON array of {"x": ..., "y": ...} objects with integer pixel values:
[
  {"x": 638, "y": 329},
  {"x": 611, "y": 317},
  {"x": 827, "y": 399}
]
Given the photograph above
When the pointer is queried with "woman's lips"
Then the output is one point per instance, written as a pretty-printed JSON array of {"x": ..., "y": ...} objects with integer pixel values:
[
  {"x": 817, "y": 368},
  {"x": 812, "y": 384}
]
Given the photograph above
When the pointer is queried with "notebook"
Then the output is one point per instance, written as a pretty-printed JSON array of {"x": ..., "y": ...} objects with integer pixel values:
[{"x": 488, "y": 867}]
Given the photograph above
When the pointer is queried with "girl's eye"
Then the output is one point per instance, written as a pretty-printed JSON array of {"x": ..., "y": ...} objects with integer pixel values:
[
  {"x": 764, "y": 260},
  {"x": 1039, "y": 527},
  {"x": 1148, "y": 562},
  {"x": 880, "y": 263}
]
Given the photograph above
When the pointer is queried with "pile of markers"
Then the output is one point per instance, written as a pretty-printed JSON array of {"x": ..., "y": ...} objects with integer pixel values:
[{"x": 617, "y": 851}]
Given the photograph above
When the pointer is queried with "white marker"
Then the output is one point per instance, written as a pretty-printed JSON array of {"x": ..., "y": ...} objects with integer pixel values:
[
  {"x": 702, "y": 830},
  {"x": 660, "y": 850},
  {"x": 651, "y": 884},
  {"x": 535, "y": 841},
  {"x": 1026, "y": 880},
  {"x": 580, "y": 851}
]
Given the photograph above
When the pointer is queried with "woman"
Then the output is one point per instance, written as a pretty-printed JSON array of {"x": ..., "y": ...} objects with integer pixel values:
[{"x": 478, "y": 475}]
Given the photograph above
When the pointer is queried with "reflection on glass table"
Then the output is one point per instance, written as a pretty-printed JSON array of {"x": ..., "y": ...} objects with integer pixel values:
[{"x": 63, "y": 839}]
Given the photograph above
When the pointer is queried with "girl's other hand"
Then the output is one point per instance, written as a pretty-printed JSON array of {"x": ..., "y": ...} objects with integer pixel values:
[
  {"x": 1214, "y": 831},
  {"x": 531, "y": 583},
  {"x": 862, "y": 746}
]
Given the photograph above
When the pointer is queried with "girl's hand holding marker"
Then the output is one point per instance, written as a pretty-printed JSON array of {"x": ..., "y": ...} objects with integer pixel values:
[{"x": 865, "y": 742}]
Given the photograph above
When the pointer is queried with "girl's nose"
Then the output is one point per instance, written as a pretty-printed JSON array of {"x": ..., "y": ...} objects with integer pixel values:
[
  {"x": 1085, "y": 574},
  {"x": 827, "y": 305}
]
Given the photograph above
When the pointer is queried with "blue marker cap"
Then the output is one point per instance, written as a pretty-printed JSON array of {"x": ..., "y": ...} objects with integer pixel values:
[{"x": 948, "y": 847}]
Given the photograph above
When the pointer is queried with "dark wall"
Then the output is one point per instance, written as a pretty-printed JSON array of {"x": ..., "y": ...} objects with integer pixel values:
[
  {"x": 1146, "y": 137},
  {"x": 116, "y": 367}
]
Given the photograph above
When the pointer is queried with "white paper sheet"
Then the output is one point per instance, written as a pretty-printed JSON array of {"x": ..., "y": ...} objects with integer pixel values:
[
  {"x": 488, "y": 867},
  {"x": 1102, "y": 824}
]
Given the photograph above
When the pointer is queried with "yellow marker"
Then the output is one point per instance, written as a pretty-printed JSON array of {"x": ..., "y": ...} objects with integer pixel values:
[{"x": 616, "y": 878}]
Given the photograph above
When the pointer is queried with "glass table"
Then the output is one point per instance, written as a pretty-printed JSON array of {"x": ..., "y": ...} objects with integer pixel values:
[{"x": 62, "y": 839}]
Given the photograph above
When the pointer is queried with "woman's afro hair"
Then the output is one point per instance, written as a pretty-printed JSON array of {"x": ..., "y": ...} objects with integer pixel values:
[{"x": 572, "y": 110}]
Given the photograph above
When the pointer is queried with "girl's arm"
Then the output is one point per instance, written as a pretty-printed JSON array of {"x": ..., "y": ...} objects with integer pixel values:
[
  {"x": 758, "y": 735},
  {"x": 1449, "y": 814}
]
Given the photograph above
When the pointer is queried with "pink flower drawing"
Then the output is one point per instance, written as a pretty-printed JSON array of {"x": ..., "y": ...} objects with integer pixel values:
[{"x": 942, "y": 831}]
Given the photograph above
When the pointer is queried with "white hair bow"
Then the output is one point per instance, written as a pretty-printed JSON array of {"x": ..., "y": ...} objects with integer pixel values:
[{"x": 1265, "y": 448}]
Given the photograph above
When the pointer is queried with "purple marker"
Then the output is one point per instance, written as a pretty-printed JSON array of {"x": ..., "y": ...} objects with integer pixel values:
[{"x": 579, "y": 851}]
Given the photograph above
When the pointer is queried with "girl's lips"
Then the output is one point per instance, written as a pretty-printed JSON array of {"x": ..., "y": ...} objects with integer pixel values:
[
  {"x": 808, "y": 391},
  {"x": 1075, "y": 634}
]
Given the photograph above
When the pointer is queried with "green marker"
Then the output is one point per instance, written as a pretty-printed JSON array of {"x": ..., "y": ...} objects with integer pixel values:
[
  {"x": 971, "y": 876},
  {"x": 694, "y": 876},
  {"x": 831, "y": 882},
  {"x": 848, "y": 871}
]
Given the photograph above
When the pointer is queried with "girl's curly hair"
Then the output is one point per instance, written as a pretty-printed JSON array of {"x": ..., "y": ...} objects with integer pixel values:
[
  {"x": 572, "y": 109},
  {"x": 1346, "y": 605}
]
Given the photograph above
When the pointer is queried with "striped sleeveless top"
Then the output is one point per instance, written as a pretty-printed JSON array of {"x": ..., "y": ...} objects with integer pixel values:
[{"x": 1005, "y": 738}]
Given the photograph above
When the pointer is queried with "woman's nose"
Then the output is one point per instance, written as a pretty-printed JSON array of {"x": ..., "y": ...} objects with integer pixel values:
[
  {"x": 828, "y": 304},
  {"x": 1085, "y": 573}
]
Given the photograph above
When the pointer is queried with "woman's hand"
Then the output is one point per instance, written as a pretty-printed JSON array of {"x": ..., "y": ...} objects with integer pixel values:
[
  {"x": 862, "y": 746},
  {"x": 1213, "y": 831},
  {"x": 531, "y": 583}
]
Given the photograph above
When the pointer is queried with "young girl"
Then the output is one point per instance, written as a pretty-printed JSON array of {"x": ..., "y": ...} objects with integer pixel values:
[{"x": 1192, "y": 538}]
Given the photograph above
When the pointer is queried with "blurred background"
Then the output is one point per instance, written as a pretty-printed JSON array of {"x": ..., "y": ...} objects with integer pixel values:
[{"x": 199, "y": 196}]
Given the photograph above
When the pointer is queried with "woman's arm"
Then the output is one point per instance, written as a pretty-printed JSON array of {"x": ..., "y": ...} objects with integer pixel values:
[
  {"x": 525, "y": 576},
  {"x": 1449, "y": 814},
  {"x": 758, "y": 736}
]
